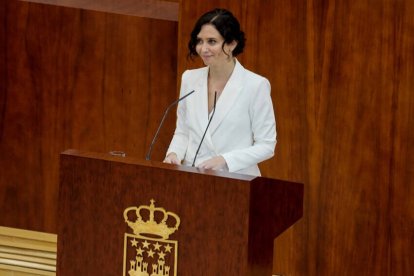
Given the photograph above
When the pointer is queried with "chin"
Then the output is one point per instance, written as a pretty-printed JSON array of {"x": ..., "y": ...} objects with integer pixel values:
[{"x": 206, "y": 62}]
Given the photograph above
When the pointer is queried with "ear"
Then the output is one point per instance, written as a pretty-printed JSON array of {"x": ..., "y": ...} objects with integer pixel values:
[{"x": 233, "y": 45}]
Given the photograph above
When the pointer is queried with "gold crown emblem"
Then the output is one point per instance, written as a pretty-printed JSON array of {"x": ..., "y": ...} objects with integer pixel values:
[{"x": 151, "y": 220}]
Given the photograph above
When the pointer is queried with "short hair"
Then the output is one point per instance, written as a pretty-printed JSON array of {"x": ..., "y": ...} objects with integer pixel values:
[{"x": 226, "y": 24}]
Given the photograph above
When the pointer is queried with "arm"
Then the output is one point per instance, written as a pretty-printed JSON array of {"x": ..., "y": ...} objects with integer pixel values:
[
  {"x": 179, "y": 142},
  {"x": 263, "y": 126}
]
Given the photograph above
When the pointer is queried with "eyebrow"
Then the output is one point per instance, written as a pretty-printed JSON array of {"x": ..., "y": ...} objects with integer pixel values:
[{"x": 198, "y": 37}]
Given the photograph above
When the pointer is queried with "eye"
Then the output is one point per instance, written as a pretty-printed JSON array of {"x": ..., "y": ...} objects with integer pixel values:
[
  {"x": 199, "y": 41},
  {"x": 212, "y": 41}
]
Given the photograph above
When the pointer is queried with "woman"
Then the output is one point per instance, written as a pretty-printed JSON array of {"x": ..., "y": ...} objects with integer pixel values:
[{"x": 242, "y": 132}]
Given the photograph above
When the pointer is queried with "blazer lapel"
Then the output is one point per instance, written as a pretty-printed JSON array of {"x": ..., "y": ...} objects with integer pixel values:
[
  {"x": 224, "y": 104},
  {"x": 228, "y": 97},
  {"x": 201, "y": 101}
]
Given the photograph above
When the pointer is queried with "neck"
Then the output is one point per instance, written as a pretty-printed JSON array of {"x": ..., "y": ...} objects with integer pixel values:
[{"x": 223, "y": 71}]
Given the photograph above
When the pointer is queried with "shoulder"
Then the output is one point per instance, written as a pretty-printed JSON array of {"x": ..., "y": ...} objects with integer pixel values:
[
  {"x": 251, "y": 78},
  {"x": 194, "y": 73},
  {"x": 256, "y": 78},
  {"x": 256, "y": 84}
]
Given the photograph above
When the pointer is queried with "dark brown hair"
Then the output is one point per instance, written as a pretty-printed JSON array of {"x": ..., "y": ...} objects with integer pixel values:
[{"x": 226, "y": 24}]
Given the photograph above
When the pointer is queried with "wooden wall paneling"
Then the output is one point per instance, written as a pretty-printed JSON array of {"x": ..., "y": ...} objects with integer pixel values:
[
  {"x": 21, "y": 178},
  {"x": 163, "y": 81},
  {"x": 278, "y": 51},
  {"x": 402, "y": 183},
  {"x": 77, "y": 79},
  {"x": 349, "y": 142},
  {"x": 158, "y": 9},
  {"x": 3, "y": 72}
]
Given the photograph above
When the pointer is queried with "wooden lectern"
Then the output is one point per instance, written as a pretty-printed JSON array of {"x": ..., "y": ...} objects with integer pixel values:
[{"x": 227, "y": 221}]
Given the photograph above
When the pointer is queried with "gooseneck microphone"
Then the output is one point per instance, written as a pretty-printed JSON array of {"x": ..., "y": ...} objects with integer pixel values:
[
  {"x": 148, "y": 156},
  {"x": 209, "y": 121}
]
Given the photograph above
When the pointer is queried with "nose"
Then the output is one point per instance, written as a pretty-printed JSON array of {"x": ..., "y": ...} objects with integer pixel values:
[{"x": 204, "y": 47}]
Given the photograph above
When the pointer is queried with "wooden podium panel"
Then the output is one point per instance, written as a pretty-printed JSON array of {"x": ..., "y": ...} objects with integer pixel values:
[{"x": 228, "y": 221}]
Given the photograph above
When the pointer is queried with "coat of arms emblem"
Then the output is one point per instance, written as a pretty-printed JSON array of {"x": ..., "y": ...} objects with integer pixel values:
[{"x": 148, "y": 251}]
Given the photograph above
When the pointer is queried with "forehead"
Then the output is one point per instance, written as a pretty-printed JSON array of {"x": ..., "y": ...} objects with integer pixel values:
[{"x": 209, "y": 31}]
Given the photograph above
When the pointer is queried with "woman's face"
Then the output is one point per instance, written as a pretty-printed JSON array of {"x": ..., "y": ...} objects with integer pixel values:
[{"x": 209, "y": 46}]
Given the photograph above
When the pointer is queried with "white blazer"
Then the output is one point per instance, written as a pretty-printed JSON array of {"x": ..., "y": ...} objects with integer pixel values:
[{"x": 242, "y": 130}]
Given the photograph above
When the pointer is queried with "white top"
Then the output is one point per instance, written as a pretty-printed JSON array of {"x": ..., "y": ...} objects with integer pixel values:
[{"x": 243, "y": 129}]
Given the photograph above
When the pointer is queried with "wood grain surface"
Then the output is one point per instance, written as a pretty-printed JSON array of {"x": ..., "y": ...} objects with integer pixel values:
[
  {"x": 156, "y": 9},
  {"x": 228, "y": 221},
  {"x": 342, "y": 81},
  {"x": 77, "y": 79}
]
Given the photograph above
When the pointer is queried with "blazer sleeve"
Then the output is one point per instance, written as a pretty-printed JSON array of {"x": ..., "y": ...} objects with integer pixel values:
[
  {"x": 179, "y": 142},
  {"x": 263, "y": 125}
]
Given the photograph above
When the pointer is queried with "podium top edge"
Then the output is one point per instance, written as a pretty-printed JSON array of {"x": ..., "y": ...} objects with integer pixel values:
[{"x": 150, "y": 163}]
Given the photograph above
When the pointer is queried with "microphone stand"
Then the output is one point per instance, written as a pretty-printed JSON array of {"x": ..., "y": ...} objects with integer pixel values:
[
  {"x": 209, "y": 121},
  {"x": 148, "y": 155}
]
